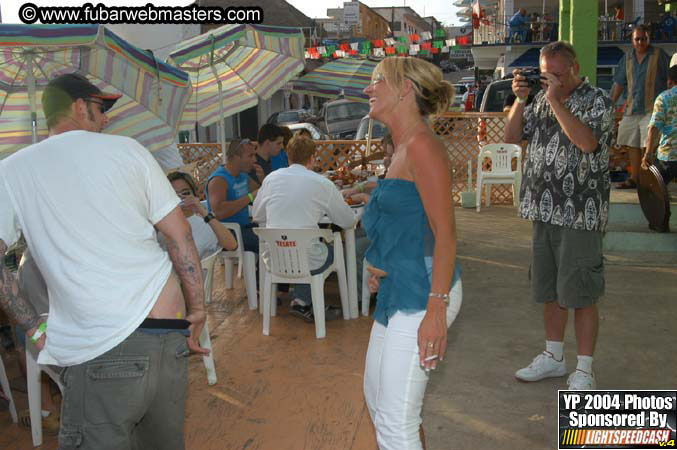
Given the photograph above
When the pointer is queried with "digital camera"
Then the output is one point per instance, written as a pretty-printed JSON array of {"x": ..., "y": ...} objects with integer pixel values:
[{"x": 533, "y": 77}]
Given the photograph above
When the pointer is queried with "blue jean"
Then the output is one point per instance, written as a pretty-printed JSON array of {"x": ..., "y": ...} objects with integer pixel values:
[{"x": 302, "y": 291}]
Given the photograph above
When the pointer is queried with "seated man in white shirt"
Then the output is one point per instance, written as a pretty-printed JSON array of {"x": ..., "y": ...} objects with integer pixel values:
[{"x": 297, "y": 197}]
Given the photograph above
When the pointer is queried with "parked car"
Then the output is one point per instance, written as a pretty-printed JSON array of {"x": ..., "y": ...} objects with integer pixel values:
[
  {"x": 289, "y": 117},
  {"x": 340, "y": 118},
  {"x": 496, "y": 93},
  {"x": 447, "y": 66},
  {"x": 459, "y": 89},
  {"x": 315, "y": 132},
  {"x": 378, "y": 129},
  {"x": 467, "y": 81}
]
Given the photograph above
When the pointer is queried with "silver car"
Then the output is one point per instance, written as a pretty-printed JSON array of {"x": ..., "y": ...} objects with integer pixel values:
[
  {"x": 340, "y": 118},
  {"x": 315, "y": 132},
  {"x": 378, "y": 129}
]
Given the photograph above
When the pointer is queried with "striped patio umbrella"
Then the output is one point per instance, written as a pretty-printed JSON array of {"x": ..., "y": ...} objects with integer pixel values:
[
  {"x": 234, "y": 66},
  {"x": 153, "y": 93},
  {"x": 347, "y": 76}
]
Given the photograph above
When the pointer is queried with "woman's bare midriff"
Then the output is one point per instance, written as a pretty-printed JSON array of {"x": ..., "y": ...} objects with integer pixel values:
[{"x": 170, "y": 304}]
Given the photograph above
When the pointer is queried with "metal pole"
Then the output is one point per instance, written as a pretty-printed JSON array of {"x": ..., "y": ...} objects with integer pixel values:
[
  {"x": 219, "y": 127},
  {"x": 371, "y": 124},
  {"x": 31, "y": 97}
]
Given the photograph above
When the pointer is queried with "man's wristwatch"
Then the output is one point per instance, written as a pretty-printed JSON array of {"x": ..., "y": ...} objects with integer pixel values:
[{"x": 209, "y": 217}]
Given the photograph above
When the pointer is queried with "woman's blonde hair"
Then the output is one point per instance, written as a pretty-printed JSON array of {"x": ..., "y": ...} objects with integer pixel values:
[
  {"x": 301, "y": 148},
  {"x": 433, "y": 93}
]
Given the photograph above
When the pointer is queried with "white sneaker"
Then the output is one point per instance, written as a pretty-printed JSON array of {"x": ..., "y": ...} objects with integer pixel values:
[
  {"x": 543, "y": 366},
  {"x": 582, "y": 381}
]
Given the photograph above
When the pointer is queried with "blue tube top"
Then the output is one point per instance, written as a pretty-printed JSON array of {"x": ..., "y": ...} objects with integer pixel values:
[{"x": 402, "y": 244}]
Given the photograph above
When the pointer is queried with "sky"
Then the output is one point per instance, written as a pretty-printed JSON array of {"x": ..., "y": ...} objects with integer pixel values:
[{"x": 441, "y": 9}]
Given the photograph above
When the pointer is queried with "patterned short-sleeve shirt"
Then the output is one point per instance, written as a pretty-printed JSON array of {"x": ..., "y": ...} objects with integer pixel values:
[
  {"x": 562, "y": 185},
  {"x": 664, "y": 118}
]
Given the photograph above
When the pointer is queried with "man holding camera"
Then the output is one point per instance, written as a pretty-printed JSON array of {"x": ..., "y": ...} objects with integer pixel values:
[{"x": 565, "y": 193}]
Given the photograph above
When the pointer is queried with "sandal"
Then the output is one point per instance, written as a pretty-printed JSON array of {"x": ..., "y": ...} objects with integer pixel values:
[
  {"x": 627, "y": 184},
  {"x": 50, "y": 424}
]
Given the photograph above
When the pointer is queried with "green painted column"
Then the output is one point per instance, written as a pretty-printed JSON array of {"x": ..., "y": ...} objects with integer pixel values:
[
  {"x": 564, "y": 19},
  {"x": 583, "y": 36}
]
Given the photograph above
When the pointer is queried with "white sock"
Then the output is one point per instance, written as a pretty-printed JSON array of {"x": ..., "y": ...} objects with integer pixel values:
[
  {"x": 45, "y": 413},
  {"x": 556, "y": 348},
  {"x": 584, "y": 364}
]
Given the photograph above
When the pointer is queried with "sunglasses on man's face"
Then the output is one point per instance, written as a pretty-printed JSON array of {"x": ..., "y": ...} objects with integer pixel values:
[
  {"x": 640, "y": 39},
  {"x": 102, "y": 108}
]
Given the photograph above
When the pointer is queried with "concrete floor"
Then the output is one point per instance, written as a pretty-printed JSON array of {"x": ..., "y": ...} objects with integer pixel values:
[{"x": 291, "y": 391}]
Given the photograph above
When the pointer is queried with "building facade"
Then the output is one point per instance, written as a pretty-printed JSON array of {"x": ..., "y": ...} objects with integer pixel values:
[
  {"x": 403, "y": 20},
  {"x": 354, "y": 20}
]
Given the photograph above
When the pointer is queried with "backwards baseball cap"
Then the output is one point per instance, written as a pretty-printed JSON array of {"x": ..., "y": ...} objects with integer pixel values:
[{"x": 63, "y": 90}]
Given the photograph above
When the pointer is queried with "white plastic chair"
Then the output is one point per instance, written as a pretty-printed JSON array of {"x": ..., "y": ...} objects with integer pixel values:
[
  {"x": 33, "y": 371},
  {"x": 244, "y": 258},
  {"x": 287, "y": 262},
  {"x": 501, "y": 170},
  {"x": 205, "y": 341},
  {"x": 4, "y": 382}
]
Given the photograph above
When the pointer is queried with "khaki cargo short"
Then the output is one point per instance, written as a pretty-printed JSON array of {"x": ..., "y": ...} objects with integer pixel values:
[
  {"x": 633, "y": 130},
  {"x": 131, "y": 397},
  {"x": 566, "y": 266}
]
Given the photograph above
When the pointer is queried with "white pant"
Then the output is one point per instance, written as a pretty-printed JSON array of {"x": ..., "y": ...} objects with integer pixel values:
[{"x": 394, "y": 382}]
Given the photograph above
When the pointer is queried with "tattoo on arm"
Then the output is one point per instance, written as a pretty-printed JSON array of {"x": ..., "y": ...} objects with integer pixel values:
[
  {"x": 11, "y": 301},
  {"x": 187, "y": 265}
]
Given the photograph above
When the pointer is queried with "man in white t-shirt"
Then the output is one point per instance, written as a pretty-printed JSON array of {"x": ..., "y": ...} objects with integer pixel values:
[
  {"x": 89, "y": 206},
  {"x": 297, "y": 197}
]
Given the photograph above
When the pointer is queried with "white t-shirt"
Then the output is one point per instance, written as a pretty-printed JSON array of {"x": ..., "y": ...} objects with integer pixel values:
[
  {"x": 295, "y": 197},
  {"x": 86, "y": 204}
]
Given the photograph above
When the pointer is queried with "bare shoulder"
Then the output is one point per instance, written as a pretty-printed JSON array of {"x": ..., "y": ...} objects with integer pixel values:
[{"x": 428, "y": 151}]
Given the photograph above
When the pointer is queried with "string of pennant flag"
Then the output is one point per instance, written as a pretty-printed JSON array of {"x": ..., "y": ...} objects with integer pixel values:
[{"x": 412, "y": 45}]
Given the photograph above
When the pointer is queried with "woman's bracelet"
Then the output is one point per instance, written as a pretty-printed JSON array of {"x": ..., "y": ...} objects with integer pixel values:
[{"x": 444, "y": 297}]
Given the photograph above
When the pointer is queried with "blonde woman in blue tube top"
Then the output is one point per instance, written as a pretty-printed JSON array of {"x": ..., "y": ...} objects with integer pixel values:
[{"x": 410, "y": 223}]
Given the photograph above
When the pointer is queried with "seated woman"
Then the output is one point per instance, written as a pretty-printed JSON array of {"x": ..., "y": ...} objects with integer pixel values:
[{"x": 208, "y": 233}]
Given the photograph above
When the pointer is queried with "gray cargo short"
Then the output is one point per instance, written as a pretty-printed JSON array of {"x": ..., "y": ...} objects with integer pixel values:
[
  {"x": 131, "y": 397},
  {"x": 566, "y": 266}
]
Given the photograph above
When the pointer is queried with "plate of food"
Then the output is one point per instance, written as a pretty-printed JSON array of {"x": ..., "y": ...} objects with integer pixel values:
[{"x": 354, "y": 203}]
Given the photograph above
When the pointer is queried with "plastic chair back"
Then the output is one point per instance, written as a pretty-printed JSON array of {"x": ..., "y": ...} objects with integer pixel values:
[
  {"x": 501, "y": 158},
  {"x": 287, "y": 249}
]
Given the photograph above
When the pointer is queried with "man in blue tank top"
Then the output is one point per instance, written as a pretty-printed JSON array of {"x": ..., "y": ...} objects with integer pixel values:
[{"x": 230, "y": 190}]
